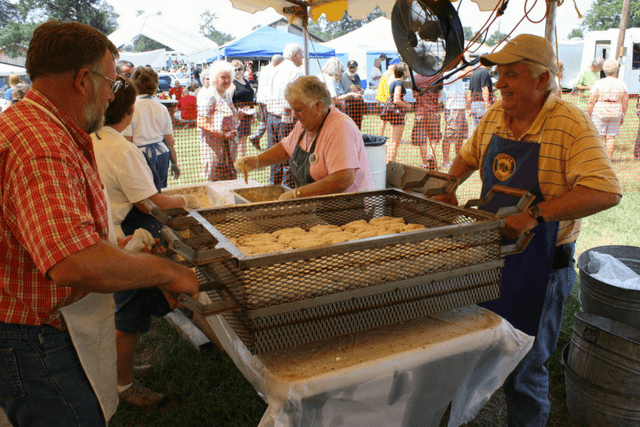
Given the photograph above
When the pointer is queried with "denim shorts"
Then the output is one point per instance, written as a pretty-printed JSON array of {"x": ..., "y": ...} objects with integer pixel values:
[
  {"x": 42, "y": 382},
  {"x": 135, "y": 308}
]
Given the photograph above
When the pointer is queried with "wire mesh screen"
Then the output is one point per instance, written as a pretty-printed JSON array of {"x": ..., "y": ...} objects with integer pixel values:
[
  {"x": 353, "y": 285},
  {"x": 424, "y": 140}
]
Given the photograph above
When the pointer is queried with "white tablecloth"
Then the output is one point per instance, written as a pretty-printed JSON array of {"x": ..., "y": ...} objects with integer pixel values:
[{"x": 398, "y": 375}]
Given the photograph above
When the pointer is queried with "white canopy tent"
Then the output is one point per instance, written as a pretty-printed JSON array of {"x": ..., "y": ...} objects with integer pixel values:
[
  {"x": 194, "y": 46},
  {"x": 8, "y": 69},
  {"x": 155, "y": 58}
]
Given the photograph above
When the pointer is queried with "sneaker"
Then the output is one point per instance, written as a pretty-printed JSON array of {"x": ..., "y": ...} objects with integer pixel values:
[{"x": 139, "y": 395}]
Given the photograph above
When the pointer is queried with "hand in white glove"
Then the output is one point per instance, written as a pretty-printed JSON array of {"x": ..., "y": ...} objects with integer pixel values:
[
  {"x": 191, "y": 202},
  {"x": 175, "y": 170},
  {"x": 141, "y": 239},
  {"x": 247, "y": 164},
  {"x": 288, "y": 195}
]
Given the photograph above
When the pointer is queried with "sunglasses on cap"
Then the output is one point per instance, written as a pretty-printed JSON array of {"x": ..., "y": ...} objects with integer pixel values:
[{"x": 238, "y": 69}]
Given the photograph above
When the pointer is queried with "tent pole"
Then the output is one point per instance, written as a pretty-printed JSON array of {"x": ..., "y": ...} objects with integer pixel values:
[{"x": 305, "y": 32}]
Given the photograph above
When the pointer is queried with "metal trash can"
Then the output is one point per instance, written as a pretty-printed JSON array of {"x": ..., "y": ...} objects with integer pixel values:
[{"x": 376, "y": 149}]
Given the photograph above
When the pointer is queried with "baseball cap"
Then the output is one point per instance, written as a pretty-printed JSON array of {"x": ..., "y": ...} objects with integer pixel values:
[
  {"x": 524, "y": 46},
  {"x": 352, "y": 63},
  {"x": 394, "y": 61}
]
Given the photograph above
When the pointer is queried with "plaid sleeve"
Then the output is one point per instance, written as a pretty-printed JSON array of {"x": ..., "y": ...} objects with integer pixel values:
[{"x": 52, "y": 218}]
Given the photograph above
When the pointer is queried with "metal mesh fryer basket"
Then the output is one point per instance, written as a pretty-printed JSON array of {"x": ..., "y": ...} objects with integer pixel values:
[{"x": 292, "y": 297}]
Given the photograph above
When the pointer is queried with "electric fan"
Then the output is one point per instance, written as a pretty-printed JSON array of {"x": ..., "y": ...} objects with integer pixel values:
[{"x": 428, "y": 34}]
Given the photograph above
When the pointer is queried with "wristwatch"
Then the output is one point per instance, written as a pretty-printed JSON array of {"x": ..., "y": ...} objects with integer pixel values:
[{"x": 536, "y": 213}]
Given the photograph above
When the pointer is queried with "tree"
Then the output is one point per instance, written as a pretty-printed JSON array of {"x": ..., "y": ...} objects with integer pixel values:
[
  {"x": 96, "y": 13},
  {"x": 208, "y": 29},
  {"x": 606, "y": 14},
  {"x": 576, "y": 32},
  {"x": 495, "y": 38},
  {"x": 468, "y": 33},
  {"x": 330, "y": 30},
  {"x": 17, "y": 21}
]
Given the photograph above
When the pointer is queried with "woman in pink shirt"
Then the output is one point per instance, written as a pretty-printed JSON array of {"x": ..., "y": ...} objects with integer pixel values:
[{"x": 325, "y": 148}]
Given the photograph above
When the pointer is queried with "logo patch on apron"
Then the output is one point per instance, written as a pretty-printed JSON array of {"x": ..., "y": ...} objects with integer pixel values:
[{"x": 504, "y": 166}]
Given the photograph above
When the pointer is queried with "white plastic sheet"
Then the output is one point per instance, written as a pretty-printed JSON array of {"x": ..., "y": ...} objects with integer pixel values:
[
  {"x": 399, "y": 375},
  {"x": 612, "y": 271}
]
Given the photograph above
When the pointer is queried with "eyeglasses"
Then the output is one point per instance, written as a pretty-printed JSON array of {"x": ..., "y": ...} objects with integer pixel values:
[
  {"x": 238, "y": 69},
  {"x": 115, "y": 84}
]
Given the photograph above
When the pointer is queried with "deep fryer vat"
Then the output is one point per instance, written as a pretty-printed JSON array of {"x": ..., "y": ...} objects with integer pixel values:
[{"x": 292, "y": 297}]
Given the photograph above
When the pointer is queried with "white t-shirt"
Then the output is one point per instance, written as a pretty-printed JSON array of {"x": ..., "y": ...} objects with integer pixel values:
[
  {"x": 608, "y": 94},
  {"x": 151, "y": 122},
  {"x": 330, "y": 82},
  {"x": 264, "y": 83},
  {"x": 123, "y": 171},
  {"x": 374, "y": 77},
  {"x": 283, "y": 74},
  {"x": 454, "y": 93},
  {"x": 339, "y": 146}
]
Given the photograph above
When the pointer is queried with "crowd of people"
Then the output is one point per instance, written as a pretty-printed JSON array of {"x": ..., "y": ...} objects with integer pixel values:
[{"x": 89, "y": 142}]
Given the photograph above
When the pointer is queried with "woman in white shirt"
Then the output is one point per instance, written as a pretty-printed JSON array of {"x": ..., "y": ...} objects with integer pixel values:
[
  {"x": 151, "y": 128},
  {"x": 125, "y": 173}
]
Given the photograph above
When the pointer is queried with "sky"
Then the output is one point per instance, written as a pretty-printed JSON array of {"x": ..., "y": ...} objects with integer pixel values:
[{"x": 238, "y": 23}]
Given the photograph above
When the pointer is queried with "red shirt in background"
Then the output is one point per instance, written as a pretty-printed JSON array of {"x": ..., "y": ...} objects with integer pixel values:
[
  {"x": 177, "y": 91},
  {"x": 188, "y": 108}
]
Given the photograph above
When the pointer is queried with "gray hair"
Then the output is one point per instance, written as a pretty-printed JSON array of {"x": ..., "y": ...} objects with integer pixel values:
[
  {"x": 276, "y": 59},
  {"x": 597, "y": 62},
  {"x": 291, "y": 49},
  {"x": 219, "y": 67},
  {"x": 333, "y": 67},
  {"x": 537, "y": 70},
  {"x": 308, "y": 89},
  {"x": 610, "y": 67}
]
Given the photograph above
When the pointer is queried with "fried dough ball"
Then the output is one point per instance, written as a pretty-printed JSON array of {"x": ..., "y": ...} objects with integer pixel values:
[
  {"x": 382, "y": 219},
  {"x": 291, "y": 230},
  {"x": 242, "y": 240},
  {"x": 324, "y": 229},
  {"x": 412, "y": 227},
  {"x": 305, "y": 243},
  {"x": 354, "y": 224}
]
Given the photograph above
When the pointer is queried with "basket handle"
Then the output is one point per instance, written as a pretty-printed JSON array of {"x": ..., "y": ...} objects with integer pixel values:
[
  {"x": 204, "y": 310},
  {"x": 518, "y": 246},
  {"x": 526, "y": 198},
  {"x": 448, "y": 188}
]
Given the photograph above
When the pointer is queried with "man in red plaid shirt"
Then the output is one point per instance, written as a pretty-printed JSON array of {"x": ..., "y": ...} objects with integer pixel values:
[{"x": 57, "y": 265}]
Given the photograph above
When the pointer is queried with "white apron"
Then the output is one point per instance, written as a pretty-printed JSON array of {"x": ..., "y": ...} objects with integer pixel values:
[{"x": 91, "y": 325}]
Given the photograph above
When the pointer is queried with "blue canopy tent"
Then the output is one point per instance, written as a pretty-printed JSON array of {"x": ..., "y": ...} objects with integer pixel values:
[{"x": 265, "y": 42}]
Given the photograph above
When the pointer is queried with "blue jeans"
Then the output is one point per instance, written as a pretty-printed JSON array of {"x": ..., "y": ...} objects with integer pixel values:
[
  {"x": 477, "y": 113},
  {"x": 41, "y": 380},
  {"x": 276, "y": 131},
  {"x": 527, "y": 387}
]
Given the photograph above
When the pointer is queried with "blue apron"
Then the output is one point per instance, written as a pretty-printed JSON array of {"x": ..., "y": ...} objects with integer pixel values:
[
  {"x": 160, "y": 162},
  {"x": 525, "y": 275}
]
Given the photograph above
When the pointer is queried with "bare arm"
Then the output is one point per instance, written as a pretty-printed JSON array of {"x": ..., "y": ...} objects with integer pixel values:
[
  {"x": 593, "y": 98},
  {"x": 168, "y": 139},
  {"x": 486, "y": 96},
  {"x": 461, "y": 170},
  {"x": 273, "y": 156},
  {"x": 578, "y": 203},
  {"x": 335, "y": 183},
  {"x": 397, "y": 98},
  {"x": 104, "y": 268},
  {"x": 163, "y": 201}
]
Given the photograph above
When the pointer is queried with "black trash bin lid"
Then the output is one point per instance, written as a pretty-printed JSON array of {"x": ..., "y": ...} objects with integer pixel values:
[{"x": 373, "y": 140}]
